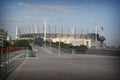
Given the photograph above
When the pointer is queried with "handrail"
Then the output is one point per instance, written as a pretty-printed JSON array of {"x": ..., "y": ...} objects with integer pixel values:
[{"x": 8, "y": 62}]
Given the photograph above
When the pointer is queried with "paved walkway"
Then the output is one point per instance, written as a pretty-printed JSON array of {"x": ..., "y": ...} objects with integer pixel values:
[{"x": 49, "y": 66}]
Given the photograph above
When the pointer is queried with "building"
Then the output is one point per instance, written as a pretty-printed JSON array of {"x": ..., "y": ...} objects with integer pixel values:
[
  {"x": 91, "y": 40},
  {"x": 74, "y": 41}
]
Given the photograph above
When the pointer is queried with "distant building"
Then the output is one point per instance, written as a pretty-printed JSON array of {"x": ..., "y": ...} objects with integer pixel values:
[{"x": 73, "y": 41}]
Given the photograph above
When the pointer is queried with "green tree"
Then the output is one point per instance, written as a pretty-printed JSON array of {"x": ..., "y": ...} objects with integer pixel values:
[
  {"x": 21, "y": 43},
  {"x": 81, "y": 48},
  {"x": 64, "y": 45}
]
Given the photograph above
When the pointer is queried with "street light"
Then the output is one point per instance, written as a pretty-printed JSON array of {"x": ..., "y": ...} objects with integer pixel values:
[
  {"x": 96, "y": 27},
  {"x": 50, "y": 35},
  {"x": 45, "y": 23},
  {"x": 59, "y": 20}
]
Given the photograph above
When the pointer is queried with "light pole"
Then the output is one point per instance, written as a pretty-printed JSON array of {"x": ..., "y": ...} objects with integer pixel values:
[
  {"x": 45, "y": 23},
  {"x": 96, "y": 30},
  {"x": 59, "y": 19},
  {"x": 50, "y": 36},
  {"x": 96, "y": 27}
]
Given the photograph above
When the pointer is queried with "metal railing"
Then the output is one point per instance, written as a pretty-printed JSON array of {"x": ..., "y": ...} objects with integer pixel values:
[
  {"x": 32, "y": 53},
  {"x": 104, "y": 52},
  {"x": 9, "y": 61}
]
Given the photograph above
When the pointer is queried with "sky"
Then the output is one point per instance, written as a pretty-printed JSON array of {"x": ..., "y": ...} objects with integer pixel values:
[{"x": 80, "y": 14}]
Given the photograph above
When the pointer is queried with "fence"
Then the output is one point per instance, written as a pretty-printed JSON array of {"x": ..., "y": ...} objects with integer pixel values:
[
  {"x": 9, "y": 61},
  {"x": 105, "y": 52},
  {"x": 32, "y": 53}
]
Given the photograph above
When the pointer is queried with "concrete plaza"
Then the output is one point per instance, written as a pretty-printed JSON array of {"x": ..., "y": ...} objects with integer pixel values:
[{"x": 48, "y": 65}]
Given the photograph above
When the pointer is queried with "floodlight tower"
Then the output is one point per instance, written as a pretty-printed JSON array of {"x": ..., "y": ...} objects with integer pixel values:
[
  {"x": 96, "y": 26},
  {"x": 45, "y": 23}
]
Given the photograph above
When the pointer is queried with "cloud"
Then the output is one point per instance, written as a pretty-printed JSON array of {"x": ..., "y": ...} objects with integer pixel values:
[
  {"x": 16, "y": 21},
  {"x": 32, "y": 18},
  {"x": 45, "y": 8},
  {"x": 24, "y": 4},
  {"x": 10, "y": 21}
]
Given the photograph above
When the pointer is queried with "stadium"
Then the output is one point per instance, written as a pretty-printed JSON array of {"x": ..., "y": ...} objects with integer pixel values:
[{"x": 91, "y": 40}]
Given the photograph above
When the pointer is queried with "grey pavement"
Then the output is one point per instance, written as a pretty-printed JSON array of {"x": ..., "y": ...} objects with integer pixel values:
[{"x": 48, "y": 65}]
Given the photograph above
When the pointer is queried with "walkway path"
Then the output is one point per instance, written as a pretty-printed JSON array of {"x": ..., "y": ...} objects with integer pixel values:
[{"x": 49, "y": 66}]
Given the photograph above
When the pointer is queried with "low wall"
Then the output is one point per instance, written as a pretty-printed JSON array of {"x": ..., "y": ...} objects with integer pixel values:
[{"x": 104, "y": 52}]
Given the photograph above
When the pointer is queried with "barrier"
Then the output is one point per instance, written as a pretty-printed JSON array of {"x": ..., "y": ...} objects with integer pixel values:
[
  {"x": 32, "y": 53},
  {"x": 8, "y": 62}
]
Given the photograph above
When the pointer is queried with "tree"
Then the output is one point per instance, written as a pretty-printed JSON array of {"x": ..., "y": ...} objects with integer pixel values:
[
  {"x": 81, "y": 48},
  {"x": 64, "y": 45},
  {"x": 21, "y": 43}
]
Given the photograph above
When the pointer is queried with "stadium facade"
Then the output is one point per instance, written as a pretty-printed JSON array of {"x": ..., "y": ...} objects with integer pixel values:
[{"x": 91, "y": 40}]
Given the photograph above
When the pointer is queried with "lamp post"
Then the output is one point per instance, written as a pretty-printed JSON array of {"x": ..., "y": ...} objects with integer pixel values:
[
  {"x": 59, "y": 20},
  {"x": 45, "y": 23},
  {"x": 96, "y": 27},
  {"x": 96, "y": 30},
  {"x": 50, "y": 36}
]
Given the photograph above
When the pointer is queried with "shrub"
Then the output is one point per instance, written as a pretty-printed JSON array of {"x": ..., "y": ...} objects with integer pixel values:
[
  {"x": 21, "y": 43},
  {"x": 81, "y": 48}
]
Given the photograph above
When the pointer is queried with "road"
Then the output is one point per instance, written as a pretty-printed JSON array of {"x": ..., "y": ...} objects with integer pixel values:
[{"x": 48, "y": 65}]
